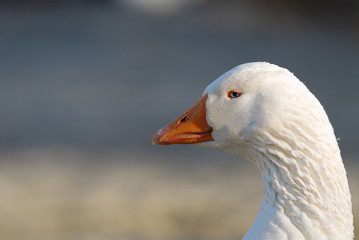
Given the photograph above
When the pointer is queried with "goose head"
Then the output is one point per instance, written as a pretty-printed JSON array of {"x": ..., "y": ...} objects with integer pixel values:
[
  {"x": 240, "y": 108},
  {"x": 265, "y": 114}
]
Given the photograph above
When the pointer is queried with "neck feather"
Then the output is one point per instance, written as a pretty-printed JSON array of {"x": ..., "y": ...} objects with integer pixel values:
[{"x": 307, "y": 183}]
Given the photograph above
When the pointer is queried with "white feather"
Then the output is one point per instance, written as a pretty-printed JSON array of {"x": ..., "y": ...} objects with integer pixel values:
[{"x": 279, "y": 125}]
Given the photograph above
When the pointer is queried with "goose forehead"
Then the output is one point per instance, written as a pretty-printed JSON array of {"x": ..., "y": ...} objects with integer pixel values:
[
  {"x": 253, "y": 77},
  {"x": 241, "y": 81},
  {"x": 228, "y": 81}
]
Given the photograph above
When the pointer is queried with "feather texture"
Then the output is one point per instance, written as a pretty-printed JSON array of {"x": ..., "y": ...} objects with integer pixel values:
[{"x": 279, "y": 125}]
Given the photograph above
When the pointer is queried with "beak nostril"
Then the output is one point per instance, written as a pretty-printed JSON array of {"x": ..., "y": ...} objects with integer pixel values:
[{"x": 183, "y": 119}]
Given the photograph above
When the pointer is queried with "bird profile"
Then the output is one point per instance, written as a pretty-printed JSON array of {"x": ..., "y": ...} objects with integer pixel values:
[{"x": 265, "y": 114}]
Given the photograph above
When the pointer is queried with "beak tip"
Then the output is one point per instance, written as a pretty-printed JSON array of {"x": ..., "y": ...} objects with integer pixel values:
[{"x": 155, "y": 137}]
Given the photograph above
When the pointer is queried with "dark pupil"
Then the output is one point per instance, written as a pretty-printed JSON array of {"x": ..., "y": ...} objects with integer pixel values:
[{"x": 234, "y": 94}]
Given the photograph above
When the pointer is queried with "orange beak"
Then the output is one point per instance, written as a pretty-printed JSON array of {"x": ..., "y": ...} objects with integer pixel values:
[{"x": 190, "y": 127}]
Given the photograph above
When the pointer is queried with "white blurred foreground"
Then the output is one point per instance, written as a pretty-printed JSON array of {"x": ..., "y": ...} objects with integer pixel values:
[{"x": 53, "y": 195}]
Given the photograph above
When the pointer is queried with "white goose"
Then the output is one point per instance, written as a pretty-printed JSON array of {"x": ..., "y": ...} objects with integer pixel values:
[{"x": 264, "y": 113}]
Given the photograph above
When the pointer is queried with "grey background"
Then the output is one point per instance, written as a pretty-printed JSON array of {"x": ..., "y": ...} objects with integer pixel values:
[{"x": 103, "y": 75}]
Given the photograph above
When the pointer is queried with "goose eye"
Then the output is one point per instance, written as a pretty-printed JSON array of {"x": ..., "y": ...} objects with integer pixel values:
[{"x": 234, "y": 94}]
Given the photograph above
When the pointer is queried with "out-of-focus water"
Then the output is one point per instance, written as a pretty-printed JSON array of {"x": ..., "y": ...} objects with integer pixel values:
[
  {"x": 51, "y": 194},
  {"x": 101, "y": 76}
]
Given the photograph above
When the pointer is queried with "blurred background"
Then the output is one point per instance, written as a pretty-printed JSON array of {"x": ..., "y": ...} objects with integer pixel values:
[{"x": 84, "y": 84}]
